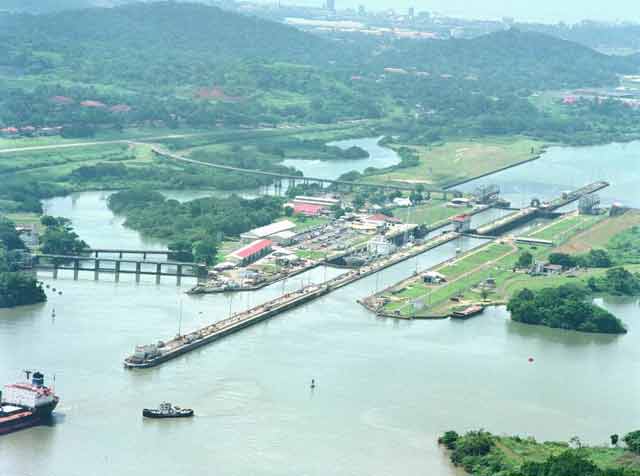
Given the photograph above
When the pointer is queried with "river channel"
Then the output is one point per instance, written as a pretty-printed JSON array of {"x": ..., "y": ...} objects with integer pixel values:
[{"x": 385, "y": 388}]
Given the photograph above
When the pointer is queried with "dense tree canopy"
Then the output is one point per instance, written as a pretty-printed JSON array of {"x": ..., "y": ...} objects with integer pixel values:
[
  {"x": 564, "y": 307},
  {"x": 16, "y": 288}
]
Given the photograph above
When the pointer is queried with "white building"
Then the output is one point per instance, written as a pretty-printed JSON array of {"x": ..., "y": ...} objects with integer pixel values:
[
  {"x": 402, "y": 202},
  {"x": 380, "y": 246},
  {"x": 267, "y": 231}
]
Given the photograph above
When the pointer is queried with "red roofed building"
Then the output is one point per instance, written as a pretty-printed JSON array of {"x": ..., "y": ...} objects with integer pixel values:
[
  {"x": 250, "y": 253},
  {"x": 308, "y": 209},
  {"x": 9, "y": 131},
  {"x": 96, "y": 104},
  {"x": 461, "y": 223}
]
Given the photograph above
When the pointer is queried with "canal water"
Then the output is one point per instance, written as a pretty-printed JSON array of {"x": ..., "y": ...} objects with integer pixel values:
[
  {"x": 568, "y": 168},
  {"x": 385, "y": 388},
  {"x": 379, "y": 157}
]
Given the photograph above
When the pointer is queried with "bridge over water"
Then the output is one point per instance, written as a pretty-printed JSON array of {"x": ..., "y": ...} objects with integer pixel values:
[
  {"x": 118, "y": 266},
  {"x": 302, "y": 179}
]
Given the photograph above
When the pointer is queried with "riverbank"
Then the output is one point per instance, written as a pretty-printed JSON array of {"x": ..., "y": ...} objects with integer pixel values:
[{"x": 481, "y": 453}]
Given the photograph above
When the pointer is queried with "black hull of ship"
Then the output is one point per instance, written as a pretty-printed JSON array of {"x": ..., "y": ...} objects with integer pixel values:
[
  {"x": 156, "y": 414},
  {"x": 38, "y": 416}
]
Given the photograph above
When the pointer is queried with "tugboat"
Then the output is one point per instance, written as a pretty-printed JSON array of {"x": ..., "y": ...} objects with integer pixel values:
[
  {"x": 167, "y": 410},
  {"x": 26, "y": 404}
]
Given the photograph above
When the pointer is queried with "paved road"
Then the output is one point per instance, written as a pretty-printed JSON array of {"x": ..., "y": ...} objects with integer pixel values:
[{"x": 68, "y": 145}]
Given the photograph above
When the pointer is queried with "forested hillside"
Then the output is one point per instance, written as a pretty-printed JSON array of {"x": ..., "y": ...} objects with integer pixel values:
[
  {"x": 510, "y": 60},
  {"x": 175, "y": 64}
]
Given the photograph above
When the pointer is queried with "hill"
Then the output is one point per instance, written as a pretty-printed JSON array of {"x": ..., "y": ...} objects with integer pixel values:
[
  {"x": 511, "y": 59},
  {"x": 155, "y": 42},
  {"x": 174, "y": 63}
]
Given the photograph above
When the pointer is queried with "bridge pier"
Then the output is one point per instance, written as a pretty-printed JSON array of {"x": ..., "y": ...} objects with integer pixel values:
[
  {"x": 96, "y": 269},
  {"x": 138, "y": 270},
  {"x": 55, "y": 270},
  {"x": 179, "y": 274},
  {"x": 76, "y": 269},
  {"x": 158, "y": 272},
  {"x": 117, "y": 271}
]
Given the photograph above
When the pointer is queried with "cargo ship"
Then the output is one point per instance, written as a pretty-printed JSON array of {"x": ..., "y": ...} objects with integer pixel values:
[{"x": 26, "y": 404}]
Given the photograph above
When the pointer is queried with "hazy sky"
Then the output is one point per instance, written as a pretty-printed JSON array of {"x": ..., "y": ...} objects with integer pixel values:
[{"x": 549, "y": 11}]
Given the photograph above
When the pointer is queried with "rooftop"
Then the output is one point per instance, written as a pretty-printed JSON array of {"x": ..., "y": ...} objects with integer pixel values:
[
  {"x": 252, "y": 248},
  {"x": 272, "y": 229}
]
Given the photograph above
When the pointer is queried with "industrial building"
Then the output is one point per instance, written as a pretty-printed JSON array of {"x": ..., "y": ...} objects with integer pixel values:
[
  {"x": 308, "y": 209},
  {"x": 284, "y": 238},
  {"x": 381, "y": 220},
  {"x": 251, "y": 252},
  {"x": 380, "y": 246},
  {"x": 267, "y": 231},
  {"x": 325, "y": 201}
]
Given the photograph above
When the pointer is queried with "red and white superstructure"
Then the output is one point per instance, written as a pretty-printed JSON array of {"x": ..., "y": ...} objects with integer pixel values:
[{"x": 26, "y": 404}]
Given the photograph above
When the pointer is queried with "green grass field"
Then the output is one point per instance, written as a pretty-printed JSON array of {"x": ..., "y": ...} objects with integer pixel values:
[
  {"x": 455, "y": 161},
  {"x": 497, "y": 261},
  {"x": 516, "y": 451},
  {"x": 563, "y": 229},
  {"x": 431, "y": 213}
]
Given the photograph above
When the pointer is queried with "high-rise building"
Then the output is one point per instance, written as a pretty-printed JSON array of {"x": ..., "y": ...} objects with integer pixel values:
[
  {"x": 331, "y": 5},
  {"x": 412, "y": 12}
]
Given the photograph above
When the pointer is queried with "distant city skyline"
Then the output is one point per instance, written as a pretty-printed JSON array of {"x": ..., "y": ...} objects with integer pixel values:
[{"x": 547, "y": 11}]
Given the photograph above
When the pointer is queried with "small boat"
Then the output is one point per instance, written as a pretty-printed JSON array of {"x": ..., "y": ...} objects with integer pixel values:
[{"x": 167, "y": 410}]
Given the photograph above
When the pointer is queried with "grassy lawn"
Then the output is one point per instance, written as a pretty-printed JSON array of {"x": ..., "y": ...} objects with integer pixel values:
[
  {"x": 63, "y": 161},
  {"x": 559, "y": 231},
  {"x": 599, "y": 235},
  {"x": 460, "y": 160},
  {"x": 426, "y": 214},
  {"x": 497, "y": 261},
  {"x": 517, "y": 450},
  {"x": 304, "y": 223},
  {"x": 474, "y": 259},
  {"x": 494, "y": 260},
  {"x": 309, "y": 254}
]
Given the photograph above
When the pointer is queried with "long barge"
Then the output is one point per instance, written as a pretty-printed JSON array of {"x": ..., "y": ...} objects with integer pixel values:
[
  {"x": 147, "y": 356},
  {"x": 151, "y": 355}
]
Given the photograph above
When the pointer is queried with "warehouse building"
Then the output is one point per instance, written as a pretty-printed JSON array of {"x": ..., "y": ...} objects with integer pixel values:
[
  {"x": 267, "y": 231},
  {"x": 251, "y": 252}
]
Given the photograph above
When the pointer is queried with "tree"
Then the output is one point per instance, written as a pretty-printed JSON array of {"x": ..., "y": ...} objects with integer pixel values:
[
  {"x": 525, "y": 260},
  {"x": 182, "y": 250},
  {"x": 358, "y": 201},
  {"x": 205, "y": 251},
  {"x": 632, "y": 440},
  {"x": 449, "y": 439},
  {"x": 563, "y": 259},
  {"x": 614, "y": 439},
  {"x": 598, "y": 259},
  {"x": 288, "y": 211}
]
